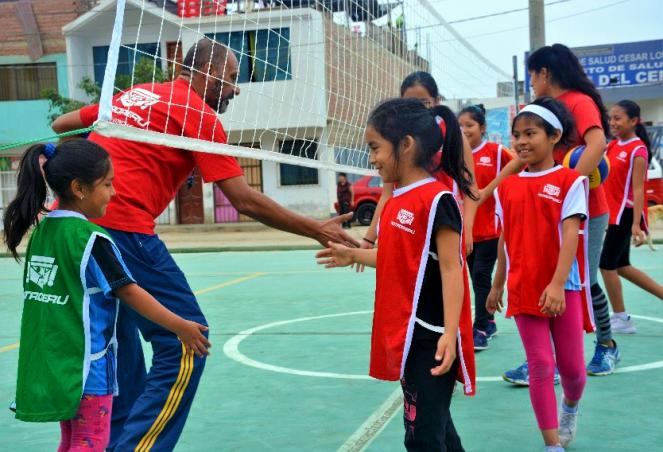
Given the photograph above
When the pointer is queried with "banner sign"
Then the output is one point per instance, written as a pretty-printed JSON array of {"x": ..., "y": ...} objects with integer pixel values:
[{"x": 621, "y": 65}]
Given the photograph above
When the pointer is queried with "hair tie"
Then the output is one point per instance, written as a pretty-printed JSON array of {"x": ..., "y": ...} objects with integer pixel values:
[{"x": 49, "y": 150}]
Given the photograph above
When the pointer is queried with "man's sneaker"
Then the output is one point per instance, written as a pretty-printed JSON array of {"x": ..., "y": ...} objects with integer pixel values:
[
  {"x": 520, "y": 375},
  {"x": 604, "y": 361},
  {"x": 568, "y": 425},
  {"x": 480, "y": 340},
  {"x": 491, "y": 329},
  {"x": 621, "y": 326}
]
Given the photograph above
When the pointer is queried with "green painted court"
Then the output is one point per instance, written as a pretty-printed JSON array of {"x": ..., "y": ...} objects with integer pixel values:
[{"x": 290, "y": 357}]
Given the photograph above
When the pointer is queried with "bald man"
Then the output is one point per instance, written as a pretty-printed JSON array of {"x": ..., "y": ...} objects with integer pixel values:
[{"x": 151, "y": 409}]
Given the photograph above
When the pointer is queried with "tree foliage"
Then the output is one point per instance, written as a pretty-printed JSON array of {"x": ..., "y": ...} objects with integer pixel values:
[{"x": 144, "y": 71}]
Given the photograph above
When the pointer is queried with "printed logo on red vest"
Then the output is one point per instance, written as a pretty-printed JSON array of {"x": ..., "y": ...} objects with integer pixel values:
[
  {"x": 551, "y": 192},
  {"x": 405, "y": 218},
  {"x": 622, "y": 156},
  {"x": 485, "y": 161}
]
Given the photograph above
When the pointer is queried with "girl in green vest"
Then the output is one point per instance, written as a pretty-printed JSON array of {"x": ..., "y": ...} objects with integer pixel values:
[{"x": 73, "y": 278}]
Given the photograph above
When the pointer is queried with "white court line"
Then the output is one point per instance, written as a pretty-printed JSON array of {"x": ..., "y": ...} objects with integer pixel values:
[
  {"x": 373, "y": 426},
  {"x": 231, "y": 349},
  {"x": 644, "y": 317},
  {"x": 378, "y": 420}
]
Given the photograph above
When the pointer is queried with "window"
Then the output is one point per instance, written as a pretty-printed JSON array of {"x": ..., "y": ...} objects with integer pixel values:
[
  {"x": 294, "y": 174},
  {"x": 238, "y": 42},
  {"x": 125, "y": 61},
  {"x": 27, "y": 81},
  {"x": 263, "y": 55},
  {"x": 8, "y": 183}
]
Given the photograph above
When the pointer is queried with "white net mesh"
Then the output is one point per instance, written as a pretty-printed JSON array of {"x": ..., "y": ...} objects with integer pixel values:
[{"x": 309, "y": 71}]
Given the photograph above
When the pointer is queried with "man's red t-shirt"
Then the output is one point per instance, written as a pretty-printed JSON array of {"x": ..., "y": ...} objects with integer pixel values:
[
  {"x": 147, "y": 176},
  {"x": 586, "y": 115}
]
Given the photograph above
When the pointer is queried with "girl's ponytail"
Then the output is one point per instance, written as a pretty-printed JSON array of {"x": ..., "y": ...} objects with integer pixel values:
[
  {"x": 453, "y": 161},
  {"x": 641, "y": 132},
  {"x": 23, "y": 212}
]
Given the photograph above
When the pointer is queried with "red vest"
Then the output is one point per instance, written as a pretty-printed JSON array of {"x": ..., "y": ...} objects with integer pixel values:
[
  {"x": 531, "y": 206},
  {"x": 489, "y": 158},
  {"x": 404, "y": 238},
  {"x": 618, "y": 184}
]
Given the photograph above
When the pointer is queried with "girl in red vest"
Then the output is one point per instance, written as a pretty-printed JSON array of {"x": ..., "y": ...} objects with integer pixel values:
[
  {"x": 489, "y": 159},
  {"x": 629, "y": 158},
  {"x": 556, "y": 72},
  {"x": 422, "y": 329},
  {"x": 421, "y": 85},
  {"x": 541, "y": 211}
]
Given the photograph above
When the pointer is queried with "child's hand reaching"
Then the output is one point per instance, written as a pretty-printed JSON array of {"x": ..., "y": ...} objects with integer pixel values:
[
  {"x": 336, "y": 255},
  {"x": 446, "y": 352},
  {"x": 190, "y": 333},
  {"x": 494, "y": 300},
  {"x": 552, "y": 300}
]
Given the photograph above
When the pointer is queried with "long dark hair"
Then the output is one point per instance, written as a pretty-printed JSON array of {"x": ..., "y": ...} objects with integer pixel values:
[
  {"x": 420, "y": 78},
  {"x": 558, "y": 109},
  {"x": 633, "y": 111},
  {"x": 395, "y": 119},
  {"x": 72, "y": 160},
  {"x": 567, "y": 72}
]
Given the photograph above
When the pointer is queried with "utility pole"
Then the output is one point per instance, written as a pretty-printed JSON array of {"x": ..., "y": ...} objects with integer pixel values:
[
  {"x": 537, "y": 33},
  {"x": 516, "y": 96},
  {"x": 537, "y": 25}
]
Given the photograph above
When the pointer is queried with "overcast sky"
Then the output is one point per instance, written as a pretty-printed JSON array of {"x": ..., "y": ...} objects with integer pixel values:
[{"x": 573, "y": 22}]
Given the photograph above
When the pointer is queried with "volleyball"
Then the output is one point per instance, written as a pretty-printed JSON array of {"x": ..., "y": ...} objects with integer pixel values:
[{"x": 596, "y": 177}]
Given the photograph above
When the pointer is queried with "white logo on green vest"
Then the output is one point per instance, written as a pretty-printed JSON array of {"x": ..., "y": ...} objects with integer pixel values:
[
  {"x": 46, "y": 298},
  {"x": 42, "y": 271}
]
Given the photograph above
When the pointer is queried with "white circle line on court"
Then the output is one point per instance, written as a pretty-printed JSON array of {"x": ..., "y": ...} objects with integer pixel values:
[{"x": 231, "y": 349}]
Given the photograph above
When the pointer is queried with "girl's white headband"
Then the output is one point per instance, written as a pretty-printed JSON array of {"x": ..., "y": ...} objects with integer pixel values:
[{"x": 547, "y": 115}]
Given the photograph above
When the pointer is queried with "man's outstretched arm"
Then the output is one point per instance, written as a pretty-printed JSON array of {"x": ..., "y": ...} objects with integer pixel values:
[{"x": 260, "y": 207}]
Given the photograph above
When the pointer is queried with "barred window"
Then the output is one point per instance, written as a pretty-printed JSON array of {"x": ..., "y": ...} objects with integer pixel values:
[{"x": 27, "y": 81}]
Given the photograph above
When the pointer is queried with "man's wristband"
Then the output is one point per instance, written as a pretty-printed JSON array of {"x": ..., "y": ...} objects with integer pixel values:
[{"x": 368, "y": 241}]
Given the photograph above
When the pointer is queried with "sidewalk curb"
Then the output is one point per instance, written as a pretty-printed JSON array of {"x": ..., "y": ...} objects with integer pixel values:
[{"x": 223, "y": 249}]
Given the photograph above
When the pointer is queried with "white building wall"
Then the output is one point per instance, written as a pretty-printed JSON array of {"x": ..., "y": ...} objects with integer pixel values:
[{"x": 651, "y": 110}]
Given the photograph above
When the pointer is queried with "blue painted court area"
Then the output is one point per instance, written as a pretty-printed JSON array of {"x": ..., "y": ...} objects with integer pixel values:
[{"x": 290, "y": 357}]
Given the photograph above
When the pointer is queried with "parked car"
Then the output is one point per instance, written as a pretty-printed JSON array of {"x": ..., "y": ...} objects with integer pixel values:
[
  {"x": 367, "y": 190},
  {"x": 654, "y": 184}
]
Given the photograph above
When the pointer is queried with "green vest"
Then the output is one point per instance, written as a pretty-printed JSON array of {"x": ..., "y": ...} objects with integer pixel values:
[{"x": 54, "y": 356}]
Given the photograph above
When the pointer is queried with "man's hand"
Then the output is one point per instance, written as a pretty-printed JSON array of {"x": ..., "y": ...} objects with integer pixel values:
[{"x": 332, "y": 231}]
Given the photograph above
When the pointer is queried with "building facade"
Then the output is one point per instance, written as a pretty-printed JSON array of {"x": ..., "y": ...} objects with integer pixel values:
[{"x": 300, "y": 54}]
